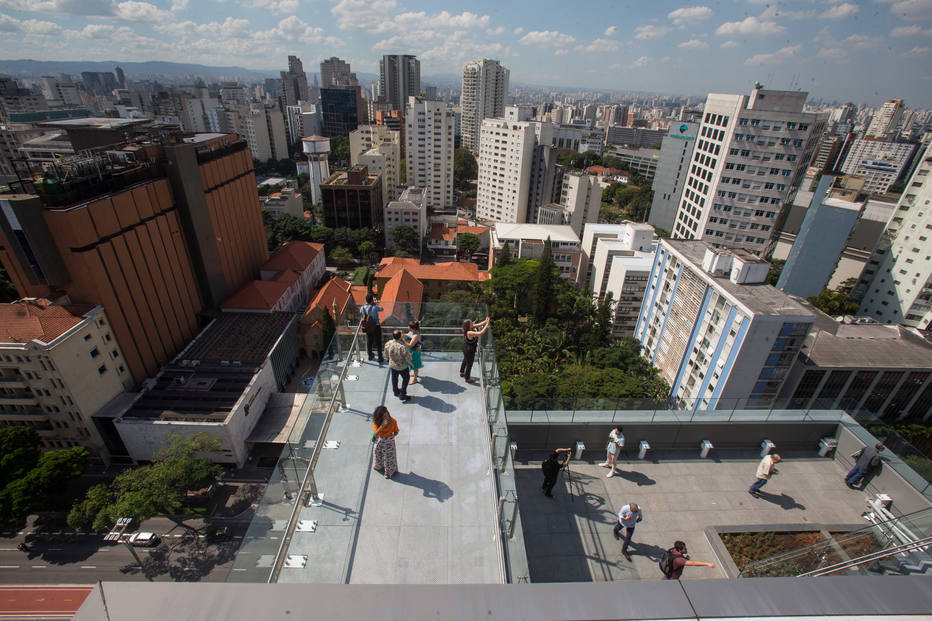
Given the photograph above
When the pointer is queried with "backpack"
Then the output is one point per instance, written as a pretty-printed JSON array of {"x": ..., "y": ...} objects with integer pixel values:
[
  {"x": 368, "y": 325},
  {"x": 666, "y": 562}
]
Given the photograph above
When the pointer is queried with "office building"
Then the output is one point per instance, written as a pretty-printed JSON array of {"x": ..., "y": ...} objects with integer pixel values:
[
  {"x": 506, "y": 151},
  {"x": 399, "y": 79},
  {"x": 385, "y": 160},
  {"x": 719, "y": 335},
  {"x": 526, "y": 241},
  {"x": 60, "y": 365},
  {"x": 642, "y": 162},
  {"x": 286, "y": 201},
  {"x": 219, "y": 386},
  {"x": 634, "y": 136},
  {"x": 826, "y": 155},
  {"x": 60, "y": 92},
  {"x": 335, "y": 73},
  {"x": 885, "y": 122},
  {"x": 341, "y": 110},
  {"x": 676, "y": 154},
  {"x": 294, "y": 82},
  {"x": 429, "y": 150},
  {"x": 750, "y": 157},
  {"x": 409, "y": 210},
  {"x": 155, "y": 239},
  {"x": 317, "y": 149},
  {"x": 265, "y": 133},
  {"x": 15, "y": 99},
  {"x": 353, "y": 199},
  {"x": 881, "y": 162},
  {"x": 484, "y": 94},
  {"x": 896, "y": 286}
]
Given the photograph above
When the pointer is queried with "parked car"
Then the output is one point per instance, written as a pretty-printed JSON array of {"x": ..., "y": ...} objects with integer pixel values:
[
  {"x": 144, "y": 540},
  {"x": 220, "y": 533}
]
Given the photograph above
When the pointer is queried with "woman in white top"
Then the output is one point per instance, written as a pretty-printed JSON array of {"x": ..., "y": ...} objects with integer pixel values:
[{"x": 616, "y": 441}]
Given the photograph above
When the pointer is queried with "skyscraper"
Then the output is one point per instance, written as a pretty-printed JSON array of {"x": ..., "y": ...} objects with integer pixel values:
[
  {"x": 506, "y": 152},
  {"x": 294, "y": 82},
  {"x": 886, "y": 120},
  {"x": 399, "y": 78},
  {"x": 335, "y": 73},
  {"x": 485, "y": 89},
  {"x": 750, "y": 157},
  {"x": 429, "y": 147}
]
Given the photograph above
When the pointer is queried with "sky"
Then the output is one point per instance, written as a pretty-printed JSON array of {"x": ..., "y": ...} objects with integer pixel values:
[{"x": 835, "y": 49}]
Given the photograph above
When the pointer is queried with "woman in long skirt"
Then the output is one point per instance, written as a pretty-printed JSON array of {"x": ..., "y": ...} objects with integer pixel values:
[
  {"x": 383, "y": 453},
  {"x": 413, "y": 341}
]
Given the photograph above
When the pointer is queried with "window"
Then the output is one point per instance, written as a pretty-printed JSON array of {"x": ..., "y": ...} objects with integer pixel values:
[
  {"x": 94, "y": 353},
  {"x": 102, "y": 369}
]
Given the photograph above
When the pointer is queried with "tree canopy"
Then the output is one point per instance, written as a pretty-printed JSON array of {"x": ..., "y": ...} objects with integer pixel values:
[
  {"x": 153, "y": 489},
  {"x": 467, "y": 243},
  {"x": 404, "y": 240},
  {"x": 625, "y": 202},
  {"x": 465, "y": 168},
  {"x": 836, "y": 302}
]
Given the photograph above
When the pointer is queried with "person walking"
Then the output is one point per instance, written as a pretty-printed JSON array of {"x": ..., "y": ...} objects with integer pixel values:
[
  {"x": 628, "y": 516},
  {"x": 551, "y": 468},
  {"x": 765, "y": 469},
  {"x": 385, "y": 428},
  {"x": 676, "y": 559},
  {"x": 471, "y": 333},
  {"x": 372, "y": 327},
  {"x": 616, "y": 442},
  {"x": 398, "y": 360},
  {"x": 864, "y": 461},
  {"x": 413, "y": 342}
]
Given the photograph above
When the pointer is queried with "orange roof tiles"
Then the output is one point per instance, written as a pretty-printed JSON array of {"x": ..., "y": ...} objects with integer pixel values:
[
  {"x": 38, "y": 319},
  {"x": 287, "y": 277},
  {"x": 439, "y": 271},
  {"x": 439, "y": 230},
  {"x": 296, "y": 255},
  {"x": 359, "y": 294},
  {"x": 475, "y": 230},
  {"x": 403, "y": 288},
  {"x": 336, "y": 290},
  {"x": 602, "y": 170},
  {"x": 257, "y": 294}
]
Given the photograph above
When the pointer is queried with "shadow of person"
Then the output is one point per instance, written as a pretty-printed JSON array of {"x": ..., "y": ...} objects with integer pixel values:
[
  {"x": 431, "y": 488},
  {"x": 645, "y": 549},
  {"x": 444, "y": 387},
  {"x": 783, "y": 500},
  {"x": 637, "y": 478},
  {"x": 433, "y": 403}
]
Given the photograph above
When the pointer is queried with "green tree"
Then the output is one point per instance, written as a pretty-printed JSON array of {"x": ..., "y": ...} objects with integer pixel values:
[
  {"x": 403, "y": 171},
  {"x": 404, "y": 239},
  {"x": 286, "y": 228},
  {"x": 547, "y": 273},
  {"x": 368, "y": 251},
  {"x": 328, "y": 328},
  {"x": 773, "y": 275},
  {"x": 31, "y": 492},
  {"x": 467, "y": 244},
  {"x": 504, "y": 257},
  {"x": 153, "y": 489},
  {"x": 19, "y": 452},
  {"x": 836, "y": 302},
  {"x": 341, "y": 256},
  {"x": 465, "y": 168},
  {"x": 339, "y": 152}
]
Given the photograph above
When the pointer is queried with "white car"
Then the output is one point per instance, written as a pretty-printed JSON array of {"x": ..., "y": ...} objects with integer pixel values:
[{"x": 144, "y": 540}]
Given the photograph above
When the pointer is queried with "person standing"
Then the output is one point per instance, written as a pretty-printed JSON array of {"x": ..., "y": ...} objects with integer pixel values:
[
  {"x": 628, "y": 516},
  {"x": 413, "y": 341},
  {"x": 398, "y": 360},
  {"x": 676, "y": 559},
  {"x": 372, "y": 327},
  {"x": 765, "y": 469},
  {"x": 616, "y": 442},
  {"x": 864, "y": 460},
  {"x": 385, "y": 428},
  {"x": 551, "y": 468},
  {"x": 471, "y": 334}
]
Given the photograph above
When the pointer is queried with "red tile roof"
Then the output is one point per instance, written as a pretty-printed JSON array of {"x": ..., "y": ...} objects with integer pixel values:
[
  {"x": 296, "y": 255},
  {"x": 475, "y": 230},
  {"x": 440, "y": 271},
  {"x": 287, "y": 277},
  {"x": 401, "y": 290},
  {"x": 38, "y": 319},
  {"x": 257, "y": 295},
  {"x": 439, "y": 230},
  {"x": 336, "y": 290},
  {"x": 359, "y": 294},
  {"x": 602, "y": 170}
]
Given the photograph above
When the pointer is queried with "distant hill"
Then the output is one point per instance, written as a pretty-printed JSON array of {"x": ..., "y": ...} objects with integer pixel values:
[{"x": 156, "y": 69}]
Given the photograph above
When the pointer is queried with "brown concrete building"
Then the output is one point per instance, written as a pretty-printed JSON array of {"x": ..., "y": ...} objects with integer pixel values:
[
  {"x": 155, "y": 234},
  {"x": 353, "y": 199}
]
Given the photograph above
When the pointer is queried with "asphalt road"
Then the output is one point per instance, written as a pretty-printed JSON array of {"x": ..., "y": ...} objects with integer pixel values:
[{"x": 66, "y": 557}]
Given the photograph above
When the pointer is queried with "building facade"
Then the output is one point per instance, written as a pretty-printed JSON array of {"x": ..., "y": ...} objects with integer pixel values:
[
  {"x": 879, "y": 161},
  {"x": 676, "y": 154},
  {"x": 506, "y": 151},
  {"x": 429, "y": 150},
  {"x": 353, "y": 199},
  {"x": 399, "y": 79},
  {"x": 581, "y": 198},
  {"x": 335, "y": 73},
  {"x": 294, "y": 82},
  {"x": 526, "y": 241},
  {"x": 484, "y": 94},
  {"x": 384, "y": 159},
  {"x": 409, "y": 210}
]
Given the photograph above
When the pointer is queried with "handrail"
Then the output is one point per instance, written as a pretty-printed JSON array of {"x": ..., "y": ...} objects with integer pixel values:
[
  {"x": 497, "y": 497},
  {"x": 312, "y": 463},
  {"x": 873, "y": 556}
]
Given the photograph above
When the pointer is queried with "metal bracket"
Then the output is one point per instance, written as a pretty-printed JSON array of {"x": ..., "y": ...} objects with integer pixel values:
[{"x": 306, "y": 526}]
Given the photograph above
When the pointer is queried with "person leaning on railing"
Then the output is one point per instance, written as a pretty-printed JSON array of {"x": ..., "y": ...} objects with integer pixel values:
[{"x": 471, "y": 333}]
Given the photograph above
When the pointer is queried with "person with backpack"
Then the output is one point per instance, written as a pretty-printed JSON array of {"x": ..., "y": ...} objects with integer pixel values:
[
  {"x": 673, "y": 561},
  {"x": 551, "y": 469},
  {"x": 372, "y": 327}
]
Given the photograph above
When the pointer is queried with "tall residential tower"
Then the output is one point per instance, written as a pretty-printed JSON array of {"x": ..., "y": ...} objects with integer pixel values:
[
  {"x": 485, "y": 89},
  {"x": 399, "y": 78}
]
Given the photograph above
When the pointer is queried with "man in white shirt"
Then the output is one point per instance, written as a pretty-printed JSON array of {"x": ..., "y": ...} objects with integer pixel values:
[
  {"x": 765, "y": 469},
  {"x": 628, "y": 516}
]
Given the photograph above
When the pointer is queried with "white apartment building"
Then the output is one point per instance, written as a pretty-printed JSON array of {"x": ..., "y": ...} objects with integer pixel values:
[
  {"x": 62, "y": 92},
  {"x": 526, "y": 241},
  {"x": 719, "y": 334},
  {"x": 886, "y": 120},
  {"x": 485, "y": 89},
  {"x": 385, "y": 159},
  {"x": 409, "y": 210},
  {"x": 896, "y": 285},
  {"x": 750, "y": 157},
  {"x": 429, "y": 149},
  {"x": 676, "y": 154},
  {"x": 506, "y": 151},
  {"x": 265, "y": 133},
  {"x": 365, "y": 137},
  {"x": 881, "y": 162},
  {"x": 581, "y": 198},
  {"x": 302, "y": 120},
  {"x": 59, "y": 366}
]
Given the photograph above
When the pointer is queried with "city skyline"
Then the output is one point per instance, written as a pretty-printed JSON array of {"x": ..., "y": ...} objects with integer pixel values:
[{"x": 825, "y": 48}]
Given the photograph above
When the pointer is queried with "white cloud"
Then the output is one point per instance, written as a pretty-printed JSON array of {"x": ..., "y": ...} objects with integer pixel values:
[
  {"x": 774, "y": 58},
  {"x": 292, "y": 29},
  {"x": 693, "y": 44},
  {"x": 28, "y": 26},
  {"x": 495, "y": 31},
  {"x": 833, "y": 53},
  {"x": 643, "y": 61},
  {"x": 912, "y": 10},
  {"x": 179, "y": 6},
  {"x": 730, "y": 44},
  {"x": 650, "y": 32},
  {"x": 362, "y": 14},
  {"x": 562, "y": 52},
  {"x": 62, "y": 7},
  {"x": 611, "y": 30},
  {"x": 517, "y": 30},
  {"x": 916, "y": 52},
  {"x": 862, "y": 41},
  {"x": 547, "y": 38},
  {"x": 133, "y": 11},
  {"x": 749, "y": 26},
  {"x": 840, "y": 11},
  {"x": 405, "y": 22},
  {"x": 615, "y": 67},
  {"x": 689, "y": 14},
  {"x": 775, "y": 10},
  {"x": 909, "y": 31},
  {"x": 600, "y": 45}
]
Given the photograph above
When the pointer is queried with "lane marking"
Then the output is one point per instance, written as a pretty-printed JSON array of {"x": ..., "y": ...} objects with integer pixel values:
[
  {"x": 88, "y": 566},
  {"x": 9, "y": 566},
  {"x": 39, "y": 566}
]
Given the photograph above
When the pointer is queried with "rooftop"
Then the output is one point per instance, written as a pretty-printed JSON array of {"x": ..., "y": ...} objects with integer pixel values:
[
  {"x": 104, "y": 123},
  {"x": 256, "y": 295},
  {"x": 295, "y": 255},
  {"x": 556, "y": 232},
  {"x": 438, "y": 271},
  {"x": 38, "y": 319},
  {"x": 247, "y": 337}
]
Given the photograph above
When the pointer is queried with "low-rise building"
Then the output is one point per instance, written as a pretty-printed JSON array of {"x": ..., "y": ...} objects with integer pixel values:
[
  {"x": 218, "y": 385},
  {"x": 409, "y": 210},
  {"x": 334, "y": 298},
  {"x": 285, "y": 201},
  {"x": 60, "y": 365},
  {"x": 436, "y": 278},
  {"x": 526, "y": 241},
  {"x": 286, "y": 279},
  {"x": 353, "y": 199}
]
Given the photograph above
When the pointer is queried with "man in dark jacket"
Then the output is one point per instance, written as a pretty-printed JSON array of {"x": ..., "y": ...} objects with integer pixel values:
[
  {"x": 551, "y": 467},
  {"x": 865, "y": 459}
]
